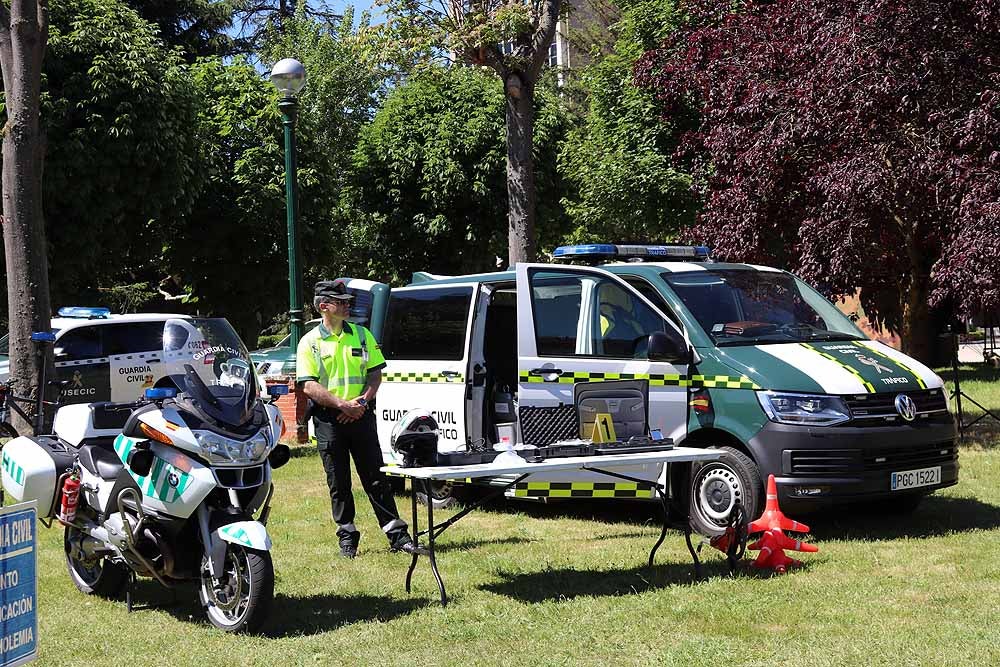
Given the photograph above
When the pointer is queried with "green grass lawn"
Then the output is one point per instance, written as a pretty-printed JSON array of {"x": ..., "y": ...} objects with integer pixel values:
[{"x": 567, "y": 585}]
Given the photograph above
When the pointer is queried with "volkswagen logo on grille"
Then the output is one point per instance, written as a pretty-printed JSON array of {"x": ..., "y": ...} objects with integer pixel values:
[{"x": 906, "y": 408}]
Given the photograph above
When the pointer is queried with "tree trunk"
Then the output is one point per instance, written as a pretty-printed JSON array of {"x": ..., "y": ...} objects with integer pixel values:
[
  {"x": 23, "y": 33},
  {"x": 520, "y": 170},
  {"x": 918, "y": 336}
]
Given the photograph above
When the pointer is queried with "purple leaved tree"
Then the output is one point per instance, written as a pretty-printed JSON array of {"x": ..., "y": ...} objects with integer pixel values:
[{"x": 853, "y": 142}]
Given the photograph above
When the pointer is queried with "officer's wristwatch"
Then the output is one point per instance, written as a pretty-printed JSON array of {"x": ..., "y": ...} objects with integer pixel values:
[{"x": 362, "y": 402}]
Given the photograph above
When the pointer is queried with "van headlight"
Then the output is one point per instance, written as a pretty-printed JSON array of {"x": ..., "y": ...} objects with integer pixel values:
[{"x": 803, "y": 409}]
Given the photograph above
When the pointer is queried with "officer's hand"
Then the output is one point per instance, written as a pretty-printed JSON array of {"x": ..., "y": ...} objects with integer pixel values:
[
  {"x": 353, "y": 409},
  {"x": 342, "y": 418}
]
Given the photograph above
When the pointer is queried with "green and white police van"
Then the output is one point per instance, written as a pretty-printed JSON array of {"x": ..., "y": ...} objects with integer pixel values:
[{"x": 746, "y": 359}]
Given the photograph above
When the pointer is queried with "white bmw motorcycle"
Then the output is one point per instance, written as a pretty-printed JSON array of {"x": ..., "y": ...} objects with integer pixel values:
[{"x": 176, "y": 487}]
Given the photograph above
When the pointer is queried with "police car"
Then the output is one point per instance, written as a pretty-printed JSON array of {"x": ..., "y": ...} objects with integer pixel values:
[
  {"x": 104, "y": 356},
  {"x": 744, "y": 358}
]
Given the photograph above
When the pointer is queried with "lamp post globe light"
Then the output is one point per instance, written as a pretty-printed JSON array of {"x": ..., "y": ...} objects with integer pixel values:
[{"x": 289, "y": 77}]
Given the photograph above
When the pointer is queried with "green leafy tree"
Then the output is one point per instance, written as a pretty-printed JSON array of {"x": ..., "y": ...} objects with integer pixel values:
[
  {"x": 120, "y": 113},
  {"x": 628, "y": 186},
  {"x": 429, "y": 172},
  {"x": 229, "y": 251},
  {"x": 198, "y": 27},
  {"x": 512, "y": 39}
]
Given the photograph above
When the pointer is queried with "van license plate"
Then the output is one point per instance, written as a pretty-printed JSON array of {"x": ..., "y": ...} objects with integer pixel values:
[{"x": 911, "y": 479}]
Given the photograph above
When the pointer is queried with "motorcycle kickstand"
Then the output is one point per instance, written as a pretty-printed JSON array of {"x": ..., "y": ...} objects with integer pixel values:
[{"x": 129, "y": 592}]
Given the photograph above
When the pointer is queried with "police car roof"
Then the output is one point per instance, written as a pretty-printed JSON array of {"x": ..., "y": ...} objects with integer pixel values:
[{"x": 73, "y": 322}]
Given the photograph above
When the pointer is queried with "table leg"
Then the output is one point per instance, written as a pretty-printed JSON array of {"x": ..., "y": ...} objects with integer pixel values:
[
  {"x": 416, "y": 532},
  {"x": 430, "y": 543}
]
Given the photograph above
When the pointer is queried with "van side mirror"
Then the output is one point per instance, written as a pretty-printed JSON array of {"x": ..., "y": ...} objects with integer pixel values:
[{"x": 663, "y": 347}]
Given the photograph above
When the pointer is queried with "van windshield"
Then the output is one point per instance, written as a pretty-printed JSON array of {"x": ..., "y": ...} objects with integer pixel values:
[{"x": 750, "y": 307}]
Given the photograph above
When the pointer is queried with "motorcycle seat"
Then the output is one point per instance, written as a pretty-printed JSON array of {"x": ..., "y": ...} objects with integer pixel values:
[{"x": 100, "y": 461}]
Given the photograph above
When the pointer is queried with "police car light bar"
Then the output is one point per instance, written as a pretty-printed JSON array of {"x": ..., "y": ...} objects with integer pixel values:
[
  {"x": 89, "y": 313},
  {"x": 595, "y": 251}
]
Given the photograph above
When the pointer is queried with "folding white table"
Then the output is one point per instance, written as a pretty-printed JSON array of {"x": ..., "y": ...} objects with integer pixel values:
[{"x": 674, "y": 498}]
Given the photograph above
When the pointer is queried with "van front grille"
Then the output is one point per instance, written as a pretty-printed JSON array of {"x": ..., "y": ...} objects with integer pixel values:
[
  {"x": 833, "y": 462},
  {"x": 880, "y": 409}
]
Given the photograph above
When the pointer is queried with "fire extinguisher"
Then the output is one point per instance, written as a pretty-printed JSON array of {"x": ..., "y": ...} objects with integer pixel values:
[{"x": 70, "y": 499}]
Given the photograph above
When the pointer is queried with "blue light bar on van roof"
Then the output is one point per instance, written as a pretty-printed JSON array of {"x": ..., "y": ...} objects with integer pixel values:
[
  {"x": 592, "y": 250},
  {"x": 88, "y": 313},
  {"x": 596, "y": 251}
]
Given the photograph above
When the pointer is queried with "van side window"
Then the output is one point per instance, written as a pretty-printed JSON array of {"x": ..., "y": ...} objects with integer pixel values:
[
  {"x": 580, "y": 315},
  {"x": 427, "y": 324},
  {"x": 643, "y": 287}
]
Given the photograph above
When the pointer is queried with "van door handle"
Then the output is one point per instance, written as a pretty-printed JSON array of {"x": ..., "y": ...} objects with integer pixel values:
[
  {"x": 547, "y": 374},
  {"x": 449, "y": 374}
]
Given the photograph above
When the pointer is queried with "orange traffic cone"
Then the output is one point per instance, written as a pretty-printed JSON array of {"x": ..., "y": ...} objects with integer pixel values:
[
  {"x": 771, "y": 557},
  {"x": 773, "y": 517},
  {"x": 772, "y": 523}
]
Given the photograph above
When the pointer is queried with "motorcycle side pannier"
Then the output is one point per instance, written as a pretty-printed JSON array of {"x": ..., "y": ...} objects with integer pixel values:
[{"x": 31, "y": 470}]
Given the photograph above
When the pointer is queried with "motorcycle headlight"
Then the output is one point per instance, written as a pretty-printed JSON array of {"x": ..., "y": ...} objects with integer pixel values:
[
  {"x": 213, "y": 446},
  {"x": 803, "y": 409},
  {"x": 256, "y": 447}
]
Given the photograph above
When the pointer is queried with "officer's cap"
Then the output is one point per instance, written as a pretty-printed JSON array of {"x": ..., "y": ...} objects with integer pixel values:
[{"x": 332, "y": 289}]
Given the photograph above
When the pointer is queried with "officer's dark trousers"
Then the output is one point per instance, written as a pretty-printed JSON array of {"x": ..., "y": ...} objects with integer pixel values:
[{"x": 337, "y": 444}]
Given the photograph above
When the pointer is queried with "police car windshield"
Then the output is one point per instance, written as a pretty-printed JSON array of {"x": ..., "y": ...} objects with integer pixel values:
[
  {"x": 211, "y": 367},
  {"x": 751, "y": 307}
]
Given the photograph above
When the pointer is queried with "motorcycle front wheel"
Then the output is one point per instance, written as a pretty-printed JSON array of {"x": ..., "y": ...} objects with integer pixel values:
[
  {"x": 96, "y": 576},
  {"x": 239, "y": 600}
]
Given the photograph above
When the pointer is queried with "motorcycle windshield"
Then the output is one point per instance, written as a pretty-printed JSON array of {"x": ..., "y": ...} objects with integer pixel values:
[{"x": 209, "y": 363}]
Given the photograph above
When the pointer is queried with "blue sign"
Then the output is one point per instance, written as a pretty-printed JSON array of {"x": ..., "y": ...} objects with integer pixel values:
[{"x": 18, "y": 585}]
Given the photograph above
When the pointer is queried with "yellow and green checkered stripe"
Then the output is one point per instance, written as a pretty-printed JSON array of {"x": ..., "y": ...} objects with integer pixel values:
[
  {"x": 421, "y": 377},
  {"x": 869, "y": 387},
  {"x": 655, "y": 379},
  {"x": 916, "y": 376},
  {"x": 581, "y": 490}
]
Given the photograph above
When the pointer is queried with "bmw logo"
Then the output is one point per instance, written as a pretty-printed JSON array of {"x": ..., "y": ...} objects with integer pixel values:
[
  {"x": 173, "y": 480},
  {"x": 906, "y": 408}
]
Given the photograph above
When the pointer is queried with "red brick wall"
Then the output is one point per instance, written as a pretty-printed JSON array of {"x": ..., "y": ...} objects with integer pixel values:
[{"x": 292, "y": 409}]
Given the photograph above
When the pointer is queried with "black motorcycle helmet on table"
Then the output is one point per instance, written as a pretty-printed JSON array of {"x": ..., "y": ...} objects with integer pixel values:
[{"x": 415, "y": 437}]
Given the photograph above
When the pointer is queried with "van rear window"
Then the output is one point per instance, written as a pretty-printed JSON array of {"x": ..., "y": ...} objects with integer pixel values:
[{"x": 427, "y": 324}]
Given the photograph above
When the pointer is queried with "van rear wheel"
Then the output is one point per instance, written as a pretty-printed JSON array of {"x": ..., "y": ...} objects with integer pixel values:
[{"x": 716, "y": 486}]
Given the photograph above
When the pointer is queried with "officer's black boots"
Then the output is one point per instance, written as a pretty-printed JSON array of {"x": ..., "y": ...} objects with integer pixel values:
[
  {"x": 349, "y": 544},
  {"x": 403, "y": 542}
]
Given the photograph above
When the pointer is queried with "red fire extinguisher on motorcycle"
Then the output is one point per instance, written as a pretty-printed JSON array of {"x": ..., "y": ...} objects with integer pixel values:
[{"x": 70, "y": 499}]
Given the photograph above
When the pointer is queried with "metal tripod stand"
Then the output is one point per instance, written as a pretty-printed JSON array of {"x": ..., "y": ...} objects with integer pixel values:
[{"x": 958, "y": 394}]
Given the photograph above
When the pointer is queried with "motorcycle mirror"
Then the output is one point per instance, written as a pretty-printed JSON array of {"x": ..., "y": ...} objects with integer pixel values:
[
  {"x": 140, "y": 461},
  {"x": 275, "y": 391},
  {"x": 279, "y": 456}
]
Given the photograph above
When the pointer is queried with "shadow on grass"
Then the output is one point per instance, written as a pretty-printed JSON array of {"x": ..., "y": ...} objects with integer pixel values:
[
  {"x": 636, "y": 513},
  {"x": 469, "y": 544},
  {"x": 936, "y": 516},
  {"x": 290, "y": 616},
  {"x": 567, "y": 583},
  {"x": 303, "y": 451}
]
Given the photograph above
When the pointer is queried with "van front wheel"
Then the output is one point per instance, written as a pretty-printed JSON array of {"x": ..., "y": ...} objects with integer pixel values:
[{"x": 716, "y": 486}]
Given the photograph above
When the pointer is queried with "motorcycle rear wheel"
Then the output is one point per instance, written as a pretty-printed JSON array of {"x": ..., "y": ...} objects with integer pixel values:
[
  {"x": 239, "y": 601},
  {"x": 99, "y": 576}
]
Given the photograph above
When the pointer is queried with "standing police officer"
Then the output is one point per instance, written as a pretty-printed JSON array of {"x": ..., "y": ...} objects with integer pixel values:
[{"x": 339, "y": 366}]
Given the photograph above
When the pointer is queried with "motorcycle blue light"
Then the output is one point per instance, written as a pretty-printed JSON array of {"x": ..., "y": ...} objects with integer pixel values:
[
  {"x": 43, "y": 337},
  {"x": 84, "y": 312},
  {"x": 159, "y": 393}
]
